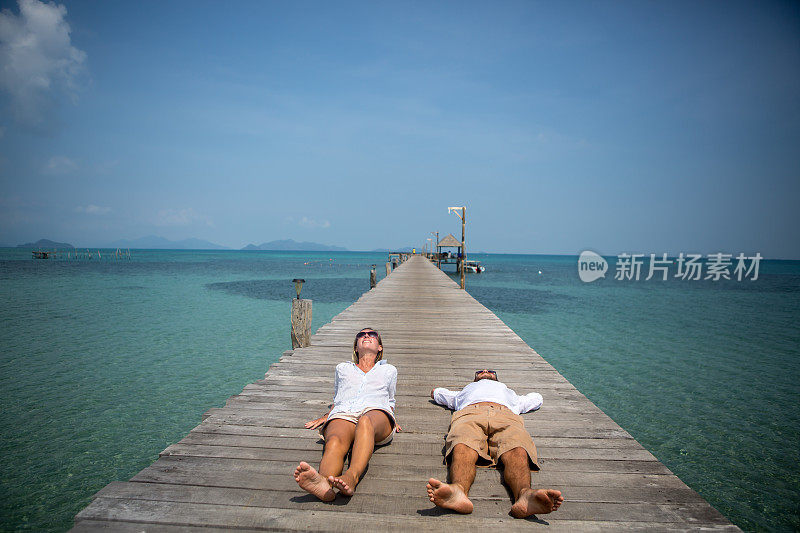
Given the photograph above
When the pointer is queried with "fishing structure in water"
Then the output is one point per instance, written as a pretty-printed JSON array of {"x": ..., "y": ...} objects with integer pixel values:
[{"x": 75, "y": 254}]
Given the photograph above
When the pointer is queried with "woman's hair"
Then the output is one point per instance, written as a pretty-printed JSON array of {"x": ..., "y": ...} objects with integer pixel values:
[{"x": 355, "y": 347}]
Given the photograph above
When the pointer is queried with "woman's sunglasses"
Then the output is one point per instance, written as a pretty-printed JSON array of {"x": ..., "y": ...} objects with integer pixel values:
[
  {"x": 487, "y": 371},
  {"x": 363, "y": 333}
]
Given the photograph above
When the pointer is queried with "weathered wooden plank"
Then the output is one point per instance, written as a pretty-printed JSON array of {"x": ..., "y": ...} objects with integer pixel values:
[
  {"x": 329, "y": 518},
  {"x": 255, "y": 474},
  {"x": 299, "y": 409},
  {"x": 401, "y": 447},
  {"x": 488, "y": 485},
  {"x": 551, "y": 428},
  {"x": 393, "y": 460},
  {"x": 89, "y": 526},
  {"x": 487, "y": 507},
  {"x": 92, "y": 526},
  {"x": 301, "y": 433}
]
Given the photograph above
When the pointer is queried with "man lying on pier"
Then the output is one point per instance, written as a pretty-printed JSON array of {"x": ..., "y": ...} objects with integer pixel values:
[{"x": 485, "y": 427}]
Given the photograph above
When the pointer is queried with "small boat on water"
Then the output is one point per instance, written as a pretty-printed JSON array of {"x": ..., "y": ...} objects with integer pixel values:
[
  {"x": 37, "y": 254},
  {"x": 474, "y": 266}
]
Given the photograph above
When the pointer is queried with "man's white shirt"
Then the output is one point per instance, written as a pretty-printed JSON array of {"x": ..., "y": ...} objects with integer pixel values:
[{"x": 487, "y": 390}]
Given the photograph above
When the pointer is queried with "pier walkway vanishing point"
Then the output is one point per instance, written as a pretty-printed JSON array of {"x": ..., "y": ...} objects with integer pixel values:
[{"x": 234, "y": 470}]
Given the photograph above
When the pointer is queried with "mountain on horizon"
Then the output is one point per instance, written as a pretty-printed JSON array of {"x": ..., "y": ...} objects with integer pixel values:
[
  {"x": 45, "y": 243},
  {"x": 292, "y": 245},
  {"x": 153, "y": 242}
]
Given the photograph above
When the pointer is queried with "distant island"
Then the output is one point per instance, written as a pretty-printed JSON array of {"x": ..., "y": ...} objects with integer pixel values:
[
  {"x": 292, "y": 245},
  {"x": 45, "y": 243},
  {"x": 152, "y": 242}
]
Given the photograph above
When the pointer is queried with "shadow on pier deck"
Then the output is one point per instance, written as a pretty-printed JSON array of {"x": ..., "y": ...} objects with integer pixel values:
[{"x": 234, "y": 470}]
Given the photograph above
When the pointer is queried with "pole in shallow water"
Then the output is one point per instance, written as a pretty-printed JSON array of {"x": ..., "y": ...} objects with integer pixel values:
[
  {"x": 463, "y": 259},
  {"x": 301, "y": 318},
  {"x": 372, "y": 278}
]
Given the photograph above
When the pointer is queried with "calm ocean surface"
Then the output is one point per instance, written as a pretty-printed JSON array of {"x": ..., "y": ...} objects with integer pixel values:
[{"x": 105, "y": 363}]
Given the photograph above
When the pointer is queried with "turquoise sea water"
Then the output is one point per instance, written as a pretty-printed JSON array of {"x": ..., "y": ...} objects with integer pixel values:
[{"x": 105, "y": 363}]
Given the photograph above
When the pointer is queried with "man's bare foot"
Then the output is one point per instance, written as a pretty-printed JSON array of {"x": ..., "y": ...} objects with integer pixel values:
[
  {"x": 540, "y": 501},
  {"x": 312, "y": 481},
  {"x": 345, "y": 484},
  {"x": 448, "y": 496}
]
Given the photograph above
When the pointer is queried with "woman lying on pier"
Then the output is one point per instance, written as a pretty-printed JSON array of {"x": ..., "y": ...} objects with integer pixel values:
[{"x": 362, "y": 416}]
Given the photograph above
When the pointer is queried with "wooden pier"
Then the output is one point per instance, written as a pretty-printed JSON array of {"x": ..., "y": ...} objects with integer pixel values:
[{"x": 234, "y": 470}]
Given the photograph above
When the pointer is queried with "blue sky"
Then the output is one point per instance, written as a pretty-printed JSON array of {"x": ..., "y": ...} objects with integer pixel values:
[{"x": 645, "y": 127}]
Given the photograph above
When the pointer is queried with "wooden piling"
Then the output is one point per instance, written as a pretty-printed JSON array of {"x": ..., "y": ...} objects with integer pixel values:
[
  {"x": 372, "y": 278},
  {"x": 301, "y": 323},
  {"x": 388, "y": 268}
]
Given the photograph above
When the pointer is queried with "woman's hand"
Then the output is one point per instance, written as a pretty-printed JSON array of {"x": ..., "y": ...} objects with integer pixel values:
[{"x": 314, "y": 424}]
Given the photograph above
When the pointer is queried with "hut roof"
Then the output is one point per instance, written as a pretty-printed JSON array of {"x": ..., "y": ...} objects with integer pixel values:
[{"x": 449, "y": 242}]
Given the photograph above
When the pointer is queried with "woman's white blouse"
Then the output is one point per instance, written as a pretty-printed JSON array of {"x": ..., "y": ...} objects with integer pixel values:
[{"x": 354, "y": 390}]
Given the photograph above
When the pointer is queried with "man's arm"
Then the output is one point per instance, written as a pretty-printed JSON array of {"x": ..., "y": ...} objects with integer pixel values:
[
  {"x": 444, "y": 397},
  {"x": 530, "y": 402}
]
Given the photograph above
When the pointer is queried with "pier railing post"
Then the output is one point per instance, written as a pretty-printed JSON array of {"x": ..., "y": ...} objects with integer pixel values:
[
  {"x": 301, "y": 323},
  {"x": 463, "y": 247},
  {"x": 388, "y": 268}
]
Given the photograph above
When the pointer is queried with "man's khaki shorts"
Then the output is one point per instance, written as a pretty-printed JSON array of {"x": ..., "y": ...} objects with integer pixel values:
[{"x": 491, "y": 430}]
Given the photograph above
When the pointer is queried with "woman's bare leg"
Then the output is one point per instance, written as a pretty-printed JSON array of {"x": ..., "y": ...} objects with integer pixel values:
[
  {"x": 372, "y": 427},
  {"x": 339, "y": 436}
]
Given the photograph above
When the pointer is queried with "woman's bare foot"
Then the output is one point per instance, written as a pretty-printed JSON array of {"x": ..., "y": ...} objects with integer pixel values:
[
  {"x": 345, "y": 484},
  {"x": 448, "y": 496},
  {"x": 540, "y": 501},
  {"x": 312, "y": 481}
]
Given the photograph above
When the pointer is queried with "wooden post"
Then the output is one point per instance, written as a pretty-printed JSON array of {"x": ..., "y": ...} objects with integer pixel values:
[
  {"x": 463, "y": 246},
  {"x": 438, "y": 253},
  {"x": 388, "y": 268},
  {"x": 372, "y": 278},
  {"x": 301, "y": 323}
]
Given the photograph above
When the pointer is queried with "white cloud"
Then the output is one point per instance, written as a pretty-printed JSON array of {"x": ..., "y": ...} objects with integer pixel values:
[
  {"x": 93, "y": 210},
  {"x": 60, "y": 165},
  {"x": 180, "y": 217},
  {"x": 311, "y": 223},
  {"x": 37, "y": 59}
]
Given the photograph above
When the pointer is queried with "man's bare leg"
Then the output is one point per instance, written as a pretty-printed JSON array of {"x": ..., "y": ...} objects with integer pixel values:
[
  {"x": 455, "y": 495},
  {"x": 372, "y": 427},
  {"x": 338, "y": 438},
  {"x": 517, "y": 475}
]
